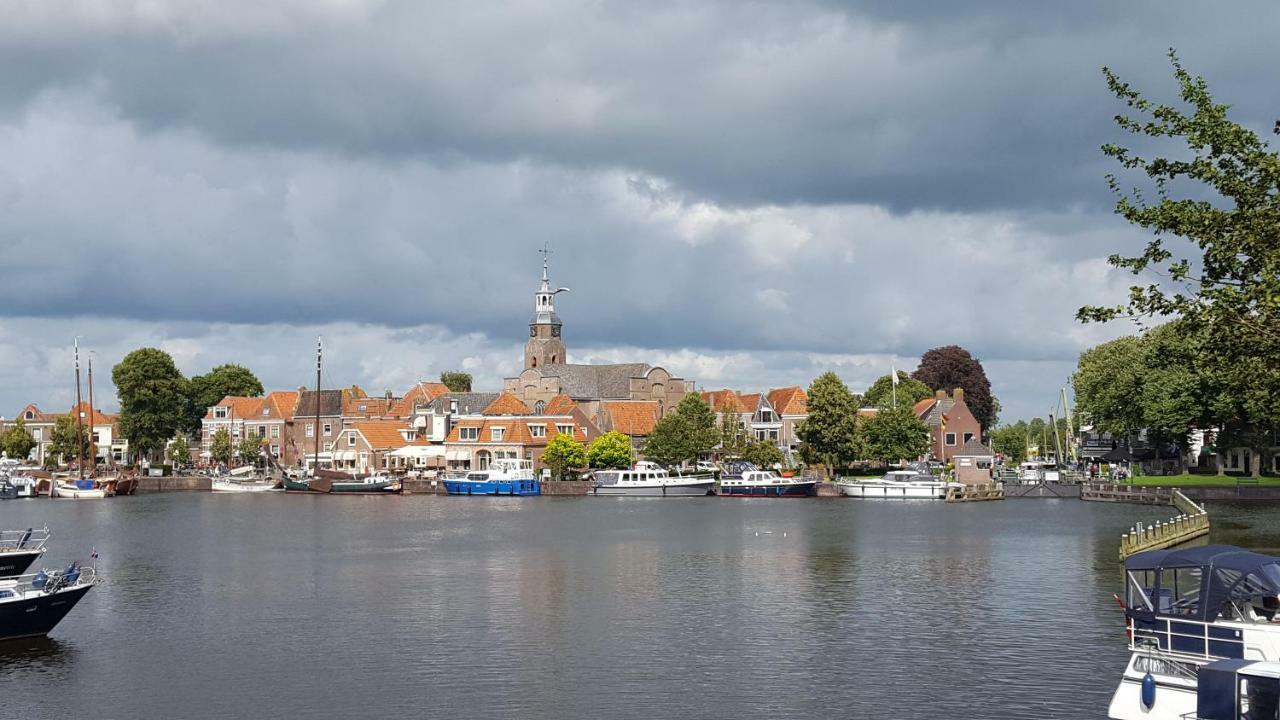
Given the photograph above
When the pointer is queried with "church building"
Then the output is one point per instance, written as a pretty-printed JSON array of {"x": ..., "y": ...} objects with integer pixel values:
[{"x": 593, "y": 388}]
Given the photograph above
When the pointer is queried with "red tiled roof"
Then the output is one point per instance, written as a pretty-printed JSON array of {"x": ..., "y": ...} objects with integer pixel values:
[
  {"x": 361, "y": 406},
  {"x": 723, "y": 401},
  {"x": 423, "y": 392},
  {"x": 507, "y": 404},
  {"x": 559, "y": 405},
  {"x": 750, "y": 401},
  {"x": 281, "y": 403},
  {"x": 95, "y": 418},
  {"x": 383, "y": 434},
  {"x": 632, "y": 417},
  {"x": 789, "y": 401},
  {"x": 515, "y": 431},
  {"x": 923, "y": 407},
  {"x": 240, "y": 407}
]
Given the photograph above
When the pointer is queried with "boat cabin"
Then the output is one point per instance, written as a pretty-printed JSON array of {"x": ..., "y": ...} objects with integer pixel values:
[{"x": 1238, "y": 690}]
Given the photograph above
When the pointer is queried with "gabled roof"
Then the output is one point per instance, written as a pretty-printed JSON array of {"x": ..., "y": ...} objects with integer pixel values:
[
  {"x": 931, "y": 410},
  {"x": 239, "y": 407},
  {"x": 421, "y": 393},
  {"x": 632, "y": 417},
  {"x": 281, "y": 403},
  {"x": 596, "y": 381},
  {"x": 384, "y": 434},
  {"x": 750, "y": 401},
  {"x": 95, "y": 418},
  {"x": 723, "y": 401},
  {"x": 974, "y": 447},
  {"x": 559, "y": 405},
  {"x": 37, "y": 415},
  {"x": 515, "y": 431},
  {"x": 367, "y": 407},
  {"x": 507, "y": 404},
  {"x": 468, "y": 403},
  {"x": 789, "y": 400},
  {"x": 330, "y": 403}
]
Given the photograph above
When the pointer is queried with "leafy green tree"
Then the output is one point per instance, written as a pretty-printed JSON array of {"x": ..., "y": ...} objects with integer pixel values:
[
  {"x": 16, "y": 441},
  {"x": 611, "y": 450},
  {"x": 221, "y": 449},
  {"x": 564, "y": 454},
  {"x": 910, "y": 391},
  {"x": 950, "y": 367},
  {"x": 894, "y": 434},
  {"x": 701, "y": 423},
  {"x": 763, "y": 454},
  {"x": 62, "y": 441},
  {"x": 456, "y": 380},
  {"x": 1011, "y": 442},
  {"x": 830, "y": 432},
  {"x": 733, "y": 434},
  {"x": 1108, "y": 382},
  {"x": 683, "y": 434},
  {"x": 180, "y": 451},
  {"x": 153, "y": 399},
  {"x": 250, "y": 448},
  {"x": 205, "y": 391}
]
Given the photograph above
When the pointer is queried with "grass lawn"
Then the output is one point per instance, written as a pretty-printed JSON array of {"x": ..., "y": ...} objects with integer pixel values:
[{"x": 1185, "y": 479}]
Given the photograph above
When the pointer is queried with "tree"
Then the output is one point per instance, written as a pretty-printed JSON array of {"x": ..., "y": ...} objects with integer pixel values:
[
  {"x": 762, "y": 454},
  {"x": 221, "y": 448},
  {"x": 63, "y": 439},
  {"x": 894, "y": 434},
  {"x": 180, "y": 451},
  {"x": 950, "y": 367},
  {"x": 1108, "y": 382},
  {"x": 1011, "y": 442},
  {"x": 563, "y": 454},
  {"x": 830, "y": 432},
  {"x": 611, "y": 450},
  {"x": 16, "y": 441},
  {"x": 153, "y": 399},
  {"x": 684, "y": 434},
  {"x": 250, "y": 448},
  {"x": 205, "y": 391},
  {"x": 733, "y": 434},
  {"x": 909, "y": 392},
  {"x": 456, "y": 380}
]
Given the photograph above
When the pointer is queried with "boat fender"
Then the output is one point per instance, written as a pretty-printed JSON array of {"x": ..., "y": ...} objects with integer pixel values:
[
  {"x": 40, "y": 580},
  {"x": 1148, "y": 691}
]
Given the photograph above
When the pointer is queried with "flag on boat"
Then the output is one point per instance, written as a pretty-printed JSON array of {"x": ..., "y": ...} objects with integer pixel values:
[{"x": 94, "y": 554}]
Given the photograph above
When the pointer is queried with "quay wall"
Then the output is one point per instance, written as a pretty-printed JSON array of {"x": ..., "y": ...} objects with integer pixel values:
[
  {"x": 1155, "y": 495},
  {"x": 562, "y": 488},
  {"x": 176, "y": 483}
]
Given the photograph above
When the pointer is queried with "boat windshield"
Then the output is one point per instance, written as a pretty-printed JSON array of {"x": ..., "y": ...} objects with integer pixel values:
[{"x": 1205, "y": 583}]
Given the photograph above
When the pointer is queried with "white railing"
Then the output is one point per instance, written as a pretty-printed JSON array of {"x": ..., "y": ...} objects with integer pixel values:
[
  {"x": 1185, "y": 637},
  {"x": 29, "y": 539}
]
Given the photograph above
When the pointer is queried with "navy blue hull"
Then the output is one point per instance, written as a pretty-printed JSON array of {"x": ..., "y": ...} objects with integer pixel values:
[
  {"x": 37, "y": 616},
  {"x": 796, "y": 490},
  {"x": 492, "y": 487},
  {"x": 17, "y": 562}
]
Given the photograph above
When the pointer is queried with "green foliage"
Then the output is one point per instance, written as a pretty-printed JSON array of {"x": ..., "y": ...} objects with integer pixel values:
[
  {"x": 221, "y": 449},
  {"x": 684, "y": 434},
  {"x": 611, "y": 450},
  {"x": 1011, "y": 442},
  {"x": 830, "y": 432},
  {"x": 153, "y": 399},
  {"x": 1108, "y": 381},
  {"x": 250, "y": 447},
  {"x": 733, "y": 434},
  {"x": 563, "y": 454},
  {"x": 456, "y": 380},
  {"x": 180, "y": 451},
  {"x": 763, "y": 454},
  {"x": 63, "y": 439},
  {"x": 16, "y": 441},
  {"x": 910, "y": 391},
  {"x": 950, "y": 367},
  {"x": 895, "y": 434},
  {"x": 205, "y": 391}
]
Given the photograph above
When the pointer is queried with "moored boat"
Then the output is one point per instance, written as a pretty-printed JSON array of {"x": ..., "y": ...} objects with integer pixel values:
[
  {"x": 79, "y": 490},
  {"x": 1196, "y": 618},
  {"x": 232, "y": 485},
  {"x": 742, "y": 479},
  {"x": 505, "y": 476},
  {"x": 648, "y": 479},
  {"x": 898, "y": 485},
  {"x": 31, "y": 605},
  {"x": 20, "y": 548}
]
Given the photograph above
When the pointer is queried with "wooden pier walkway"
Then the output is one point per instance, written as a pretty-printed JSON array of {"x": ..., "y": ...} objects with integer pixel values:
[{"x": 1191, "y": 523}]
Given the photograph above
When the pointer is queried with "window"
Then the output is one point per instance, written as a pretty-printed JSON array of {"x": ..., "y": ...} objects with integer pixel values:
[
  {"x": 220, "y": 412},
  {"x": 453, "y": 406},
  {"x": 311, "y": 430},
  {"x": 275, "y": 450},
  {"x": 968, "y": 437},
  {"x": 362, "y": 408},
  {"x": 538, "y": 407},
  {"x": 951, "y": 438},
  {"x": 266, "y": 412},
  {"x": 538, "y": 431},
  {"x": 328, "y": 429},
  {"x": 262, "y": 431},
  {"x": 31, "y": 415},
  {"x": 351, "y": 439},
  {"x": 1179, "y": 591},
  {"x": 564, "y": 429},
  {"x": 766, "y": 416},
  {"x": 495, "y": 434},
  {"x": 469, "y": 433},
  {"x": 328, "y": 447},
  {"x": 275, "y": 431}
]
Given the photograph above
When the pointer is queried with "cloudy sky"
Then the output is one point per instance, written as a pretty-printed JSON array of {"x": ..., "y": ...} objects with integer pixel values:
[{"x": 747, "y": 193}]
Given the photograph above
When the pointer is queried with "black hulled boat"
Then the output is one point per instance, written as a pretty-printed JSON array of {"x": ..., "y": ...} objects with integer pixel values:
[
  {"x": 32, "y": 605},
  {"x": 20, "y": 548}
]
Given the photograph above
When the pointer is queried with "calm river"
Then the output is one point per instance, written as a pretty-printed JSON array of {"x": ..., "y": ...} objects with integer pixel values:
[{"x": 221, "y": 606}]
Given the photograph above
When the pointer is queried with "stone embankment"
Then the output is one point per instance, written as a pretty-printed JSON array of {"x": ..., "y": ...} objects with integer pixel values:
[{"x": 975, "y": 493}]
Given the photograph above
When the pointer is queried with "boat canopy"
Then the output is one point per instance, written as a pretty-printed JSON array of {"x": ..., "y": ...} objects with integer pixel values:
[{"x": 1201, "y": 582}]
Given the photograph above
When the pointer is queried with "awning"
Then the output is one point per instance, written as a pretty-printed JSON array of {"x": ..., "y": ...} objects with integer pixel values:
[
  {"x": 345, "y": 455},
  {"x": 419, "y": 451},
  {"x": 452, "y": 454}
]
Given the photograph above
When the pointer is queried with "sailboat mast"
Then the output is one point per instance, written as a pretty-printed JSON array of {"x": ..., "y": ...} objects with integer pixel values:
[
  {"x": 79, "y": 423},
  {"x": 316, "y": 466},
  {"x": 93, "y": 460}
]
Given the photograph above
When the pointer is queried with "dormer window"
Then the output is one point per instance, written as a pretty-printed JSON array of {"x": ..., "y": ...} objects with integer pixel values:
[
  {"x": 468, "y": 434},
  {"x": 453, "y": 406},
  {"x": 220, "y": 412},
  {"x": 266, "y": 412},
  {"x": 495, "y": 434},
  {"x": 538, "y": 431},
  {"x": 31, "y": 415}
]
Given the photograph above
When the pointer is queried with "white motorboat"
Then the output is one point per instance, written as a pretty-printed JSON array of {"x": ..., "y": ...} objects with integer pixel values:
[
  {"x": 648, "y": 479},
  {"x": 79, "y": 490},
  {"x": 224, "y": 484},
  {"x": 1204, "y": 635},
  {"x": 898, "y": 485}
]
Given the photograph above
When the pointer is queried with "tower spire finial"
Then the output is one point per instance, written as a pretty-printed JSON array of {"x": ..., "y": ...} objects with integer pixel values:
[{"x": 546, "y": 256}]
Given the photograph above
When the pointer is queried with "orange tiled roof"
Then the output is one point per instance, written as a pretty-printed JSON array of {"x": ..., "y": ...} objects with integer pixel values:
[
  {"x": 423, "y": 392},
  {"x": 383, "y": 434},
  {"x": 282, "y": 403},
  {"x": 515, "y": 431},
  {"x": 923, "y": 406},
  {"x": 97, "y": 417},
  {"x": 632, "y": 417},
  {"x": 750, "y": 401},
  {"x": 559, "y": 405},
  {"x": 241, "y": 407},
  {"x": 362, "y": 406},
  {"x": 789, "y": 400},
  {"x": 723, "y": 401},
  {"x": 507, "y": 404}
]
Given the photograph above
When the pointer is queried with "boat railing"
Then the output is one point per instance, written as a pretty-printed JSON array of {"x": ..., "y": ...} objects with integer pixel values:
[
  {"x": 29, "y": 539},
  {"x": 1208, "y": 641},
  {"x": 51, "y": 581}
]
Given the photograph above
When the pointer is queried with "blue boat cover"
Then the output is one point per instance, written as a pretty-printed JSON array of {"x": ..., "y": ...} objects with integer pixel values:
[
  {"x": 84, "y": 484},
  {"x": 1227, "y": 573}
]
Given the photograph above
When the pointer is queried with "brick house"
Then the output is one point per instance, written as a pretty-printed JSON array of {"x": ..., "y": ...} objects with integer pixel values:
[
  {"x": 269, "y": 417},
  {"x": 507, "y": 428},
  {"x": 103, "y": 430},
  {"x": 364, "y": 445},
  {"x": 633, "y": 418},
  {"x": 950, "y": 422},
  {"x": 770, "y": 417}
]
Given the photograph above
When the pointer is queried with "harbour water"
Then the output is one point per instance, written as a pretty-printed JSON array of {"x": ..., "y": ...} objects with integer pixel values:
[{"x": 221, "y": 606}]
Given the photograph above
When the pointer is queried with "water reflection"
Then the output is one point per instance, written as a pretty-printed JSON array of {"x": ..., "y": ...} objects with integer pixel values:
[{"x": 44, "y": 658}]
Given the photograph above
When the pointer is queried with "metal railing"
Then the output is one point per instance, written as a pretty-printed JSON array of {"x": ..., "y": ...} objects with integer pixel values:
[
  {"x": 1193, "y": 638},
  {"x": 29, "y": 539}
]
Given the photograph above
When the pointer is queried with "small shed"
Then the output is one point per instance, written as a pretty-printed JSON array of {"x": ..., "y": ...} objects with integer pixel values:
[{"x": 973, "y": 462}]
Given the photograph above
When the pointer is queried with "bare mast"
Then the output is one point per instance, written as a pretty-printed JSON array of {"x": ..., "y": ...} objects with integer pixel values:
[
  {"x": 316, "y": 466},
  {"x": 79, "y": 423}
]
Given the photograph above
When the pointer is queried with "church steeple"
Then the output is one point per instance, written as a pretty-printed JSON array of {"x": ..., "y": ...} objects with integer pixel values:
[{"x": 545, "y": 346}]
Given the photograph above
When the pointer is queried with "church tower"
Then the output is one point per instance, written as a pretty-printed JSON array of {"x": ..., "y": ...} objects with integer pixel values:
[{"x": 545, "y": 346}]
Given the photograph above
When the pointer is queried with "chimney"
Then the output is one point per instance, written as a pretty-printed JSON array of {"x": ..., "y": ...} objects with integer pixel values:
[
  {"x": 939, "y": 394},
  {"x": 958, "y": 394}
]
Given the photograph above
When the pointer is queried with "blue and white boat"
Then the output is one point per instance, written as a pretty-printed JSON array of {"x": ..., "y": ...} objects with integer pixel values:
[
  {"x": 1204, "y": 633},
  {"x": 505, "y": 476}
]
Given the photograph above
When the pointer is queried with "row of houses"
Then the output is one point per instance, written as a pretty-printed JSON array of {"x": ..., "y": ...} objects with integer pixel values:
[{"x": 108, "y": 447}]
